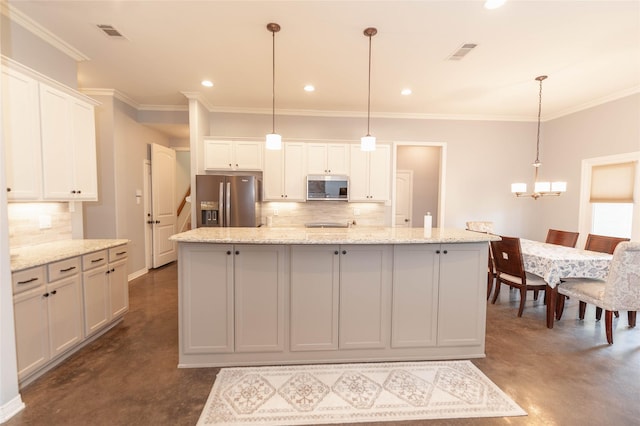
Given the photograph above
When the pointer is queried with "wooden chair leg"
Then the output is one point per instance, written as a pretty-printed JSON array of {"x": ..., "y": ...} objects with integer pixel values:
[
  {"x": 496, "y": 293},
  {"x": 559, "y": 305},
  {"x": 489, "y": 284},
  {"x": 598, "y": 313},
  {"x": 523, "y": 298},
  {"x": 608, "y": 322},
  {"x": 535, "y": 294},
  {"x": 581, "y": 309},
  {"x": 617, "y": 314},
  {"x": 631, "y": 315}
]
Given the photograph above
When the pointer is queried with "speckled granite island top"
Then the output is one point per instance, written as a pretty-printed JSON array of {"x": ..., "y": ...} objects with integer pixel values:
[
  {"x": 29, "y": 256},
  {"x": 354, "y": 235}
]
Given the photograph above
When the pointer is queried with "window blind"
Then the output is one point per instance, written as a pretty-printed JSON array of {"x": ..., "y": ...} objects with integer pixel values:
[{"x": 613, "y": 183}]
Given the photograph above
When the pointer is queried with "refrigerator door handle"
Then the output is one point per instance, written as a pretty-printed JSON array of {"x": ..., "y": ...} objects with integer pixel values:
[
  {"x": 227, "y": 206},
  {"x": 221, "y": 217}
]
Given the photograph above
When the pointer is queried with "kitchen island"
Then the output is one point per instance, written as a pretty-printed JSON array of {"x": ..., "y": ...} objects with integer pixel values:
[{"x": 250, "y": 296}]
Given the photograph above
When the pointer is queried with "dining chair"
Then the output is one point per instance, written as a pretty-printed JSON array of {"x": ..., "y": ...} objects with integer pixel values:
[
  {"x": 507, "y": 256},
  {"x": 619, "y": 292},
  {"x": 487, "y": 228},
  {"x": 602, "y": 244},
  {"x": 562, "y": 238}
]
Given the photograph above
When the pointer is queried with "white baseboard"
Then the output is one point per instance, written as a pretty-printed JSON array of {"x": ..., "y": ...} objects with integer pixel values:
[
  {"x": 137, "y": 274},
  {"x": 11, "y": 408}
]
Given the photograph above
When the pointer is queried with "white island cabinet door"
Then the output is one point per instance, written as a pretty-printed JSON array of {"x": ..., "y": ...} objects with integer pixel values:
[
  {"x": 315, "y": 293},
  {"x": 462, "y": 294},
  {"x": 206, "y": 298},
  {"x": 365, "y": 296},
  {"x": 414, "y": 316},
  {"x": 259, "y": 276}
]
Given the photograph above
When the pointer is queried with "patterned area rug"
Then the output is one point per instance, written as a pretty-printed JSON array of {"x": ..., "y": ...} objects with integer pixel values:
[{"x": 351, "y": 393}]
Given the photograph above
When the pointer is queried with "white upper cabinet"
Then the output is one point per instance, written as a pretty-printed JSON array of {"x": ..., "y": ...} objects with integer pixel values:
[
  {"x": 370, "y": 174},
  {"x": 21, "y": 129},
  {"x": 285, "y": 173},
  {"x": 328, "y": 158},
  {"x": 68, "y": 146},
  {"x": 232, "y": 155}
]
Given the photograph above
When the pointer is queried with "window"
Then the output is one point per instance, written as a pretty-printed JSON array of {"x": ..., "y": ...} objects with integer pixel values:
[{"x": 610, "y": 196}]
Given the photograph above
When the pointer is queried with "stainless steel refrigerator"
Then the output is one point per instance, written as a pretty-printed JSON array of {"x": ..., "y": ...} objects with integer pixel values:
[{"x": 223, "y": 200}]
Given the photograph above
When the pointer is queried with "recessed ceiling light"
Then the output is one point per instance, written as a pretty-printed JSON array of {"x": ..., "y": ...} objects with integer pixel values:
[
  {"x": 406, "y": 92},
  {"x": 309, "y": 88},
  {"x": 493, "y": 4},
  {"x": 207, "y": 83}
]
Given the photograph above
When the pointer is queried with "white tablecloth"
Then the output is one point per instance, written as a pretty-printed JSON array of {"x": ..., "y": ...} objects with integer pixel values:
[{"x": 553, "y": 262}]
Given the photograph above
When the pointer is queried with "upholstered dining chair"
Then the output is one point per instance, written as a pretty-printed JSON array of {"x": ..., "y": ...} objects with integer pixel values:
[
  {"x": 510, "y": 270},
  {"x": 619, "y": 292},
  {"x": 487, "y": 228},
  {"x": 602, "y": 244},
  {"x": 562, "y": 238}
]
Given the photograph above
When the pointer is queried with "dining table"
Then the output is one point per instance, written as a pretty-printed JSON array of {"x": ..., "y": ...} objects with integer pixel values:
[{"x": 554, "y": 263}]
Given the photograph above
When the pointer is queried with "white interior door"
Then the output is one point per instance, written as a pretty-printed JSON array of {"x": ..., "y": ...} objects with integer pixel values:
[
  {"x": 163, "y": 191},
  {"x": 404, "y": 197}
]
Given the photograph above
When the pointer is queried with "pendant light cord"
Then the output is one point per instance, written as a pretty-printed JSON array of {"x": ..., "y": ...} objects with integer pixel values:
[
  {"x": 369, "y": 90},
  {"x": 539, "y": 115},
  {"x": 273, "y": 83}
]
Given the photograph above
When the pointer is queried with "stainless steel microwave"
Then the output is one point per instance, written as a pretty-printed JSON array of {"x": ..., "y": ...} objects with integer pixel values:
[{"x": 327, "y": 187}]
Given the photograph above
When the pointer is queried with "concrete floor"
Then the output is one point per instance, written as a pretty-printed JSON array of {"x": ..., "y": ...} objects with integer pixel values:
[{"x": 564, "y": 376}]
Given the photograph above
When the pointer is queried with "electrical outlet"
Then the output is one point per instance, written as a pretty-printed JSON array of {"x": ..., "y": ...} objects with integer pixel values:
[
  {"x": 45, "y": 221},
  {"x": 356, "y": 212},
  {"x": 275, "y": 212}
]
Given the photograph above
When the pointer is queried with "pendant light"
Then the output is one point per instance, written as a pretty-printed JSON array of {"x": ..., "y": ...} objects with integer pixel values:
[
  {"x": 368, "y": 142},
  {"x": 540, "y": 189},
  {"x": 274, "y": 140}
]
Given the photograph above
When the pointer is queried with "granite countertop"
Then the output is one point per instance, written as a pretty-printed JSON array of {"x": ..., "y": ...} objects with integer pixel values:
[
  {"x": 29, "y": 256},
  {"x": 353, "y": 235}
]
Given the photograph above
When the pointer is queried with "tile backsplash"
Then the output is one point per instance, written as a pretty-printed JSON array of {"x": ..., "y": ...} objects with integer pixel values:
[
  {"x": 37, "y": 223},
  {"x": 297, "y": 214}
]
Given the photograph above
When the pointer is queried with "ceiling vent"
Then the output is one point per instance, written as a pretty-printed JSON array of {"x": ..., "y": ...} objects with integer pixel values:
[
  {"x": 110, "y": 31},
  {"x": 462, "y": 51}
]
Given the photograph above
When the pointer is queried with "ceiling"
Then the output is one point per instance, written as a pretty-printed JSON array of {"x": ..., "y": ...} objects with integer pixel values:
[{"x": 589, "y": 49}]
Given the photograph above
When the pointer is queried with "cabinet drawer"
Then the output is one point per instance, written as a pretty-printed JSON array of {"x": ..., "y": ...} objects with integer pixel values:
[
  {"x": 94, "y": 260},
  {"x": 117, "y": 253},
  {"x": 27, "y": 279},
  {"x": 63, "y": 268}
]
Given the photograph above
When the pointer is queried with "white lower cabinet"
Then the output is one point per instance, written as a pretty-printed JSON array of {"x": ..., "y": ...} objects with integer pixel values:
[
  {"x": 48, "y": 319},
  {"x": 82, "y": 296},
  {"x": 250, "y": 304},
  {"x": 235, "y": 298}
]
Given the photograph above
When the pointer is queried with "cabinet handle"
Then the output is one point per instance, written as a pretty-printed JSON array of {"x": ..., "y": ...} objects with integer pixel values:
[
  {"x": 8, "y": 189},
  {"x": 30, "y": 280},
  {"x": 286, "y": 196},
  {"x": 437, "y": 251},
  {"x": 228, "y": 252},
  {"x": 157, "y": 221},
  {"x": 107, "y": 271},
  {"x": 73, "y": 191},
  {"x": 120, "y": 253},
  {"x": 79, "y": 191},
  {"x": 237, "y": 252},
  {"x": 344, "y": 252},
  {"x": 54, "y": 291},
  {"x": 113, "y": 269},
  {"x": 71, "y": 268},
  {"x": 46, "y": 295},
  {"x": 97, "y": 260},
  {"x": 445, "y": 252},
  {"x": 229, "y": 164},
  {"x": 335, "y": 252},
  {"x": 236, "y": 164}
]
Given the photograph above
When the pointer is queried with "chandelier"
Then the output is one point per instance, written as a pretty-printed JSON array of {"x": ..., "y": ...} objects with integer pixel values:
[{"x": 540, "y": 189}]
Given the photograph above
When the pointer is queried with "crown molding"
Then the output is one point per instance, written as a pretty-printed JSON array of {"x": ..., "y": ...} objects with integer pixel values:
[
  {"x": 38, "y": 30},
  {"x": 113, "y": 93},
  {"x": 594, "y": 103},
  {"x": 197, "y": 96}
]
